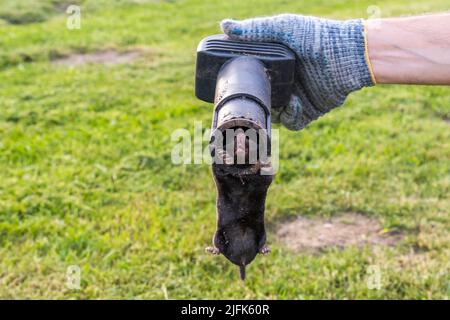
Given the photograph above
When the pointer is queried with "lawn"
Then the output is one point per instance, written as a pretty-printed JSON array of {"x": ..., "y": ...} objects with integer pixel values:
[{"x": 86, "y": 177}]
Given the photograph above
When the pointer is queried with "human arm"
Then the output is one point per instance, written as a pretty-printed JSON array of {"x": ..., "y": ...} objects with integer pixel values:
[{"x": 335, "y": 58}]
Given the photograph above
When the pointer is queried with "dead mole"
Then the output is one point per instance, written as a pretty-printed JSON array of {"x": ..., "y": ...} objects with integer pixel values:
[{"x": 241, "y": 196}]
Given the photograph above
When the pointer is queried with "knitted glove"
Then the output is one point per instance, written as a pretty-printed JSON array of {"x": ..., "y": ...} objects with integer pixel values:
[{"x": 331, "y": 61}]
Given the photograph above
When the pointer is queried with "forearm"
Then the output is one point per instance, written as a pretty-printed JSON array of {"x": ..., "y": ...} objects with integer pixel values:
[{"x": 412, "y": 50}]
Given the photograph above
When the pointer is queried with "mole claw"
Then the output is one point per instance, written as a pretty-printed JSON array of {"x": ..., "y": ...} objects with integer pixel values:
[
  {"x": 264, "y": 250},
  {"x": 212, "y": 250}
]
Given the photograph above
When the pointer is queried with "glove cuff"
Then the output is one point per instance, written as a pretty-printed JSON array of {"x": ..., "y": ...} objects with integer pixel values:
[
  {"x": 345, "y": 49},
  {"x": 367, "y": 56}
]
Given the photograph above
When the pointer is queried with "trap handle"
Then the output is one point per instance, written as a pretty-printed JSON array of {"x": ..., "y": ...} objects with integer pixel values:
[{"x": 214, "y": 51}]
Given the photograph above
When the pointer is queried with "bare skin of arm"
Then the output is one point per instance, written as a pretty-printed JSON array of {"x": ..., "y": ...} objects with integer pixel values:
[{"x": 410, "y": 50}]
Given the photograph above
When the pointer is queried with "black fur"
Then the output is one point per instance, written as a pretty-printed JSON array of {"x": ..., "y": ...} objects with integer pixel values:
[{"x": 241, "y": 196}]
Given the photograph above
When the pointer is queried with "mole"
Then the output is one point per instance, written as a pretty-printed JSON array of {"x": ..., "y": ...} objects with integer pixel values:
[{"x": 241, "y": 196}]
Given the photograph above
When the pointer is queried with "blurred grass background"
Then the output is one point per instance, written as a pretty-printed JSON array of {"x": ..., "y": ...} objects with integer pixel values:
[{"x": 86, "y": 177}]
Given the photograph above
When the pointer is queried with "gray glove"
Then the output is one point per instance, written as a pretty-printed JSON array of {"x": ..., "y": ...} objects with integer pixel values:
[{"x": 331, "y": 61}]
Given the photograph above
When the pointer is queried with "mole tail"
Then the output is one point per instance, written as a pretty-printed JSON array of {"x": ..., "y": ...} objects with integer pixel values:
[{"x": 242, "y": 272}]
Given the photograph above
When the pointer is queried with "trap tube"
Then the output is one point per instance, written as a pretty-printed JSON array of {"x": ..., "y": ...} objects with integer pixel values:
[{"x": 242, "y": 101}]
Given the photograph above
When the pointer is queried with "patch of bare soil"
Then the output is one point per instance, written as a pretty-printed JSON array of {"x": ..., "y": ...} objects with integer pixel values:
[
  {"x": 351, "y": 229},
  {"x": 101, "y": 57}
]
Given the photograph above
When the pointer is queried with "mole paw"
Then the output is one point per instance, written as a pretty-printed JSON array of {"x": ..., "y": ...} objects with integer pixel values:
[
  {"x": 264, "y": 250},
  {"x": 212, "y": 250}
]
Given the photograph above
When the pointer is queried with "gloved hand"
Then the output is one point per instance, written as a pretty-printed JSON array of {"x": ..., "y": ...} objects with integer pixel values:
[{"x": 332, "y": 61}]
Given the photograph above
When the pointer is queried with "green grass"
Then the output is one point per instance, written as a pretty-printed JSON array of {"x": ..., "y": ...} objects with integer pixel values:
[{"x": 86, "y": 177}]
